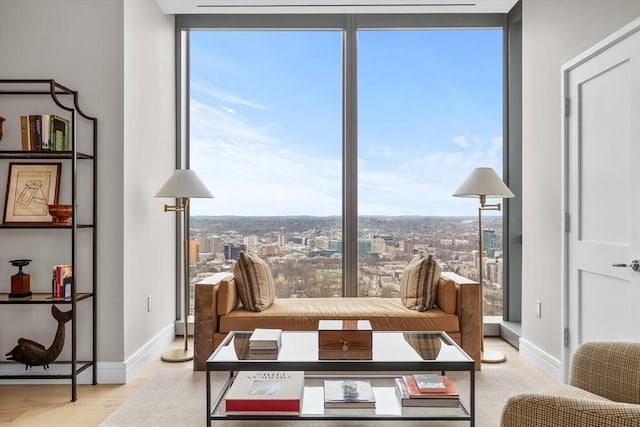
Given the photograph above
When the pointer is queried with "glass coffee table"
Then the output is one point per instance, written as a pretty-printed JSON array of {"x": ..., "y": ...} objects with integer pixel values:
[{"x": 393, "y": 354}]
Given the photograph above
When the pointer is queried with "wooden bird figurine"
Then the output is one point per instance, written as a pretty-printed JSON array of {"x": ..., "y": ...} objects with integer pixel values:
[{"x": 32, "y": 353}]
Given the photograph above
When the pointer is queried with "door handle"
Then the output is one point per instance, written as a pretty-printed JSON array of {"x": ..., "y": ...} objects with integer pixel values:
[{"x": 635, "y": 265}]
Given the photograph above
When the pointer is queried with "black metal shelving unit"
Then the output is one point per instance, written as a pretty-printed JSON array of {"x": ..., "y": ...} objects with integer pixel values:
[{"x": 65, "y": 99}]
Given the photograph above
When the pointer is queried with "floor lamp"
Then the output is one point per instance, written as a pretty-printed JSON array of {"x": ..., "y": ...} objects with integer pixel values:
[
  {"x": 484, "y": 183},
  {"x": 183, "y": 184}
]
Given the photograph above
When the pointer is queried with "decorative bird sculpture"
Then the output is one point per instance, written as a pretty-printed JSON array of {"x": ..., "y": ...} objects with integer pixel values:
[{"x": 32, "y": 353}]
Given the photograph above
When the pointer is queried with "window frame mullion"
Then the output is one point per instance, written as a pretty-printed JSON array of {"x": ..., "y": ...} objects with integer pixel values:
[{"x": 350, "y": 159}]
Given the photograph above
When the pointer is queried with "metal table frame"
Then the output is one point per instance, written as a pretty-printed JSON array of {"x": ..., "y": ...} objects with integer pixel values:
[{"x": 354, "y": 367}]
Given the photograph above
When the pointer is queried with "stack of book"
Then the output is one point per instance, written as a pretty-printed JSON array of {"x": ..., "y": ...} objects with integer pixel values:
[
  {"x": 61, "y": 281},
  {"x": 348, "y": 394},
  {"x": 265, "y": 343},
  {"x": 426, "y": 390},
  {"x": 268, "y": 393},
  {"x": 44, "y": 132}
]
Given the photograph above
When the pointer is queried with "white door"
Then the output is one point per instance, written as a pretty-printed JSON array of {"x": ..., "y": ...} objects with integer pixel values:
[{"x": 602, "y": 193}]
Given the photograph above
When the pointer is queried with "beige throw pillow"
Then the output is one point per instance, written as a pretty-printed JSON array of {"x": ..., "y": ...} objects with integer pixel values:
[
  {"x": 256, "y": 288},
  {"x": 419, "y": 284}
]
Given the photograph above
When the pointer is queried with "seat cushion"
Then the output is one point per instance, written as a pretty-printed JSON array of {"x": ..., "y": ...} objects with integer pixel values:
[
  {"x": 256, "y": 287},
  {"x": 302, "y": 314}
]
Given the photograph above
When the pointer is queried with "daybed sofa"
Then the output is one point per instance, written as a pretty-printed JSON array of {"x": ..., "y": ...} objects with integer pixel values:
[
  {"x": 603, "y": 391},
  {"x": 218, "y": 311}
]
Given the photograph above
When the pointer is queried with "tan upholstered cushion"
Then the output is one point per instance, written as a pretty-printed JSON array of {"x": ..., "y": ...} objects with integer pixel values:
[
  {"x": 227, "y": 296},
  {"x": 418, "y": 285},
  {"x": 446, "y": 295},
  {"x": 302, "y": 314},
  {"x": 255, "y": 284}
]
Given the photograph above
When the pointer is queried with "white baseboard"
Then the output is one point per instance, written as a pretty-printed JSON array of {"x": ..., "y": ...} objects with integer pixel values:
[
  {"x": 108, "y": 372},
  {"x": 541, "y": 360}
]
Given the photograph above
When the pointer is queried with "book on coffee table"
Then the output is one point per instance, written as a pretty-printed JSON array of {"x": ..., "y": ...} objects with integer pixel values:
[
  {"x": 415, "y": 393},
  {"x": 430, "y": 382},
  {"x": 265, "y": 339},
  {"x": 404, "y": 397},
  {"x": 348, "y": 394},
  {"x": 269, "y": 393}
]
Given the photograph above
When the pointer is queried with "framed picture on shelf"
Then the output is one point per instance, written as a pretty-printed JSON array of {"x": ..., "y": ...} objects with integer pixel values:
[{"x": 31, "y": 188}]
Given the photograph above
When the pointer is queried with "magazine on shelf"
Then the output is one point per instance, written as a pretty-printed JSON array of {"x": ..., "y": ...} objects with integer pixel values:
[
  {"x": 348, "y": 394},
  {"x": 415, "y": 393},
  {"x": 430, "y": 382},
  {"x": 268, "y": 392},
  {"x": 402, "y": 392},
  {"x": 265, "y": 339}
]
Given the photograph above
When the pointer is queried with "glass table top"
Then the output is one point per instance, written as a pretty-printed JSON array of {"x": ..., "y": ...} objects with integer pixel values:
[{"x": 298, "y": 346}]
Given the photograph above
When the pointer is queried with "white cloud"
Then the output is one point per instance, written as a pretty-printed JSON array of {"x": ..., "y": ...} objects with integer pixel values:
[
  {"x": 252, "y": 172},
  {"x": 460, "y": 141},
  {"x": 224, "y": 96},
  {"x": 228, "y": 109}
]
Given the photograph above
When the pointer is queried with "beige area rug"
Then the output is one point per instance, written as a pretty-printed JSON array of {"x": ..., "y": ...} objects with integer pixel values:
[{"x": 176, "y": 397}]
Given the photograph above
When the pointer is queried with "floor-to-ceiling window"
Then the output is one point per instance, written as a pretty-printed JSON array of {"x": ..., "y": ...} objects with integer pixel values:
[
  {"x": 265, "y": 135},
  {"x": 297, "y": 129},
  {"x": 429, "y": 111}
]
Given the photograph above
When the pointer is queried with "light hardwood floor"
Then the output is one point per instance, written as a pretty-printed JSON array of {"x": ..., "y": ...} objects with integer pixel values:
[{"x": 50, "y": 405}]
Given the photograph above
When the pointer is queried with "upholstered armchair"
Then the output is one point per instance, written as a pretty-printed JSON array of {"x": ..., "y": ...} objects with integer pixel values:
[{"x": 603, "y": 391}]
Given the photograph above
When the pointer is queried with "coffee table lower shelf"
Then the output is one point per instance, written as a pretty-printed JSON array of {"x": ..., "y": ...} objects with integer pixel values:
[{"x": 388, "y": 407}]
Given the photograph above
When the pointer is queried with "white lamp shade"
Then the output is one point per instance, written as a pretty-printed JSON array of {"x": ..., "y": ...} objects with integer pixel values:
[
  {"x": 184, "y": 183},
  {"x": 484, "y": 182}
]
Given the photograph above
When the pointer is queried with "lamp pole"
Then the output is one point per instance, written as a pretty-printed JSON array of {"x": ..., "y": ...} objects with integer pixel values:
[
  {"x": 489, "y": 356},
  {"x": 185, "y": 354}
]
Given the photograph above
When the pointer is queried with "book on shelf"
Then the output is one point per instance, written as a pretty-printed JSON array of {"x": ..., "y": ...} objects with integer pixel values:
[
  {"x": 402, "y": 393},
  {"x": 415, "y": 393},
  {"x": 265, "y": 339},
  {"x": 430, "y": 382},
  {"x": 44, "y": 132},
  {"x": 61, "y": 281},
  {"x": 268, "y": 392},
  {"x": 59, "y": 133},
  {"x": 348, "y": 394},
  {"x": 25, "y": 133},
  {"x": 35, "y": 129}
]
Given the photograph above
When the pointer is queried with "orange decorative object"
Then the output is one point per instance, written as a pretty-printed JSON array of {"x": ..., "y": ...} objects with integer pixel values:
[{"x": 61, "y": 214}]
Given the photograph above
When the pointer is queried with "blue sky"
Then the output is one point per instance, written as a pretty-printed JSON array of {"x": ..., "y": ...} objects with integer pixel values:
[{"x": 266, "y": 120}]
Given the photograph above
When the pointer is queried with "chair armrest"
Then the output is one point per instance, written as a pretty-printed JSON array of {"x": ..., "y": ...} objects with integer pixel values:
[
  {"x": 468, "y": 311},
  {"x": 608, "y": 369},
  {"x": 206, "y": 319},
  {"x": 546, "y": 410}
]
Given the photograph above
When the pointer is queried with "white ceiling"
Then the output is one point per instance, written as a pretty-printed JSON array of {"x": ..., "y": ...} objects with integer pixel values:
[{"x": 335, "y": 6}]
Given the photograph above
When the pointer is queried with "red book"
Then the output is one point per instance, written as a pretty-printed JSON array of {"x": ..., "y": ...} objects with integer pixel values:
[
  {"x": 62, "y": 281},
  {"x": 274, "y": 392},
  {"x": 415, "y": 393}
]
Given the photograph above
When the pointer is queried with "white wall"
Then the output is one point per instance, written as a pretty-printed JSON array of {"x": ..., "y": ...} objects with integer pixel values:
[
  {"x": 554, "y": 31},
  {"x": 118, "y": 55},
  {"x": 149, "y": 160}
]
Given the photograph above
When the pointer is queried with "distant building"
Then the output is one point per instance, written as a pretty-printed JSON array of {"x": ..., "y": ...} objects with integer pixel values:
[
  {"x": 283, "y": 237},
  {"x": 269, "y": 250},
  {"x": 364, "y": 246},
  {"x": 490, "y": 241},
  {"x": 194, "y": 252},
  {"x": 251, "y": 243},
  {"x": 335, "y": 246},
  {"x": 378, "y": 246},
  {"x": 231, "y": 251},
  {"x": 408, "y": 245},
  {"x": 298, "y": 240}
]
